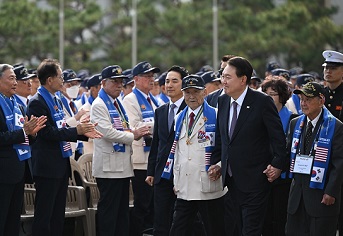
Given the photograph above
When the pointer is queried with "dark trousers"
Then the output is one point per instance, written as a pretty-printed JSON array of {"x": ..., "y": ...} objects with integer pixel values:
[
  {"x": 50, "y": 204},
  {"x": 252, "y": 209},
  {"x": 113, "y": 207},
  {"x": 11, "y": 202},
  {"x": 231, "y": 216},
  {"x": 164, "y": 201},
  {"x": 276, "y": 217},
  {"x": 302, "y": 224},
  {"x": 142, "y": 214},
  {"x": 340, "y": 219},
  {"x": 211, "y": 212}
]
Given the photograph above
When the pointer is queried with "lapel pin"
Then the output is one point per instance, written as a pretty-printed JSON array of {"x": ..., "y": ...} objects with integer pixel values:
[{"x": 248, "y": 107}]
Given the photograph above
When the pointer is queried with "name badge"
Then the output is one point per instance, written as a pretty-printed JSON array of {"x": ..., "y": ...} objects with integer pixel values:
[
  {"x": 204, "y": 143},
  {"x": 303, "y": 164}
]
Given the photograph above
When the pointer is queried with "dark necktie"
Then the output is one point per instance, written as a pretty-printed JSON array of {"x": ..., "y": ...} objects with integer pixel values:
[
  {"x": 191, "y": 121},
  {"x": 171, "y": 115},
  {"x": 27, "y": 101},
  {"x": 56, "y": 103},
  {"x": 116, "y": 105},
  {"x": 149, "y": 100},
  {"x": 234, "y": 119},
  {"x": 72, "y": 106},
  {"x": 307, "y": 140}
]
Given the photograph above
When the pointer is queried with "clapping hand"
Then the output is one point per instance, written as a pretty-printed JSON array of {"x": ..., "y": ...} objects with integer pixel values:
[
  {"x": 88, "y": 129},
  {"x": 80, "y": 113},
  {"x": 32, "y": 126},
  {"x": 85, "y": 118},
  {"x": 140, "y": 132}
]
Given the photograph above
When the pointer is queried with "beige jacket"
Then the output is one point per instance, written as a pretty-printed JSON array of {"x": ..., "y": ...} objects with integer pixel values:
[
  {"x": 106, "y": 162},
  {"x": 133, "y": 111}
]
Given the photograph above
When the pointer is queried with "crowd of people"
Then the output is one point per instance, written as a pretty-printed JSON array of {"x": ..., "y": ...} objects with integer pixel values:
[{"x": 217, "y": 152}]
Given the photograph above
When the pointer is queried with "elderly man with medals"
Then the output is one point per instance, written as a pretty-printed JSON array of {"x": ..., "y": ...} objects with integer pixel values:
[
  {"x": 316, "y": 151},
  {"x": 189, "y": 160}
]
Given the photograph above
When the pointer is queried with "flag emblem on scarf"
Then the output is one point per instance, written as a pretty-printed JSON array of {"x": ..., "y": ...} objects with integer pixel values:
[
  {"x": 295, "y": 143},
  {"x": 321, "y": 154},
  {"x": 317, "y": 174},
  {"x": 19, "y": 119},
  {"x": 66, "y": 147},
  {"x": 168, "y": 166}
]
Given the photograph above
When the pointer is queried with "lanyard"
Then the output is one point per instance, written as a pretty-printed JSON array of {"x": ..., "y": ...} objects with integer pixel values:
[
  {"x": 316, "y": 138},
  {"x": 190, "y": 130},
  {"x": 124, "y": 121}
]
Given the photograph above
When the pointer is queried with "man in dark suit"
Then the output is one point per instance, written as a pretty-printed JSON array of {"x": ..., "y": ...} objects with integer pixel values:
[
  {"x": 212, "y": 98},
  {"x": 315, "y": 146},
  {"x": 51, "y": 151},
  {"x": 250, "y": 143},
  {"x": 163, "y": 138},
  {"x": 14, "y": 151}
]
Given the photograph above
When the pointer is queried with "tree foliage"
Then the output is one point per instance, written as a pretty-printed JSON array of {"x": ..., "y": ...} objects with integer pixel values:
[{"x": 170, "y": 32}]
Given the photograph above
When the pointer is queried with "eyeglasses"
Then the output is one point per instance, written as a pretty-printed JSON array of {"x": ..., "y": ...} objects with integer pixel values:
[
  {"x": 61, "y": 77},
  {"x": 73, "y": 83},
  {"x": 25, "y": 81},
  {"x": 273, "y": 94},
  {"x": 307, "y": 99},
  {"x": 115, "y": 81},
  {"x": 148, "y": 76}
]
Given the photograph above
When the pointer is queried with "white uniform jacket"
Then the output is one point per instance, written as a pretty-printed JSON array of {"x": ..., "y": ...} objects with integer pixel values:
[{"x": 191, "y": 180}]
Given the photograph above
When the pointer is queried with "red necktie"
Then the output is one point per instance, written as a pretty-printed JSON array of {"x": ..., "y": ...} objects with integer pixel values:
[
  {"x": 191, "y": 120},
  {"x": 149, "y": 100},
  {"x": 116, "y": 105},
  {"x": 72, "y": 106}
]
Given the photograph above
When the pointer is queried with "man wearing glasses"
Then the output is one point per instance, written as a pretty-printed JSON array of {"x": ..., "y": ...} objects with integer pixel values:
[
  {"x": 51, "y": 151},
  {"x": 140, "y": 106}
]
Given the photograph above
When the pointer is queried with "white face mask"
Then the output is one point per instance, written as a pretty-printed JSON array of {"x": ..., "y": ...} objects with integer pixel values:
[{"x": 73, "y": 91}]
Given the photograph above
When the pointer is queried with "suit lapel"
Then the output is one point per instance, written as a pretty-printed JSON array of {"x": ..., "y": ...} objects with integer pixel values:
[
  {"x": 245, "y": 111},
  {"x": 182, "y": 106},
  {"x": 223, "y": 114}
]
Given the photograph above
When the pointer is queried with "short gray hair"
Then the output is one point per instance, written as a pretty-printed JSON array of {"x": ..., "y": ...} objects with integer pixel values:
[{"x": 4, "y": 67}]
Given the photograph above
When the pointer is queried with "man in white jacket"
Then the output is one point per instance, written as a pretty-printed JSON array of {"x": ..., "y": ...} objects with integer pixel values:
[{"x": 190, "y": 158}]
